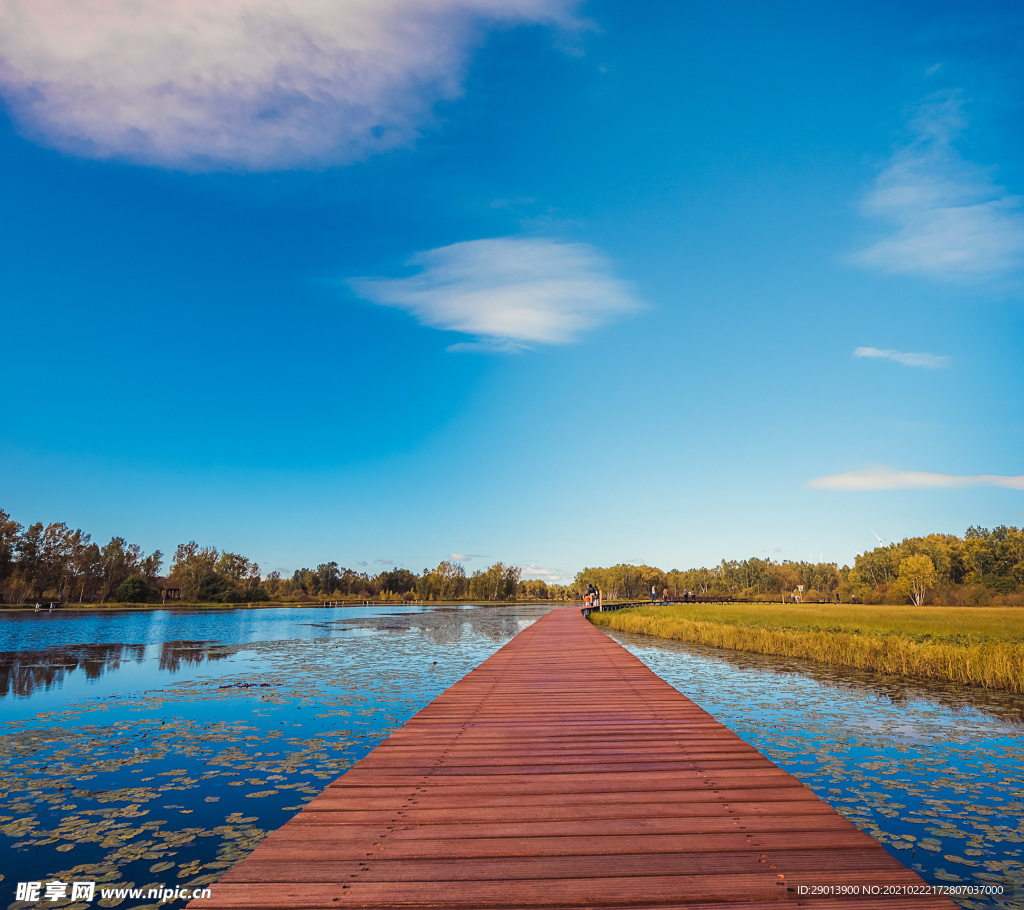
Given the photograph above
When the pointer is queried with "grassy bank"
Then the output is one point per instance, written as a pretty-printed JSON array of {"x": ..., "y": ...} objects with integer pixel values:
[{"x": 981, "y": 646}]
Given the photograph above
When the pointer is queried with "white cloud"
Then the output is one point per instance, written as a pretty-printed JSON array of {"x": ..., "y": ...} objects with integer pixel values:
[
  {"x": 256, "y": 84},
  {"x": 890, "y": 479},
  {"x": 928, "y": 361},
  {"x": 551, "y": 576},
  {"x": 508, "y": 293},
  {"x": 952, "y": 221}
]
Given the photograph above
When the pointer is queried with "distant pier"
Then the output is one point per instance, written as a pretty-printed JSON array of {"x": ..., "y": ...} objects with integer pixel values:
[{"x": 563, "y": 773}]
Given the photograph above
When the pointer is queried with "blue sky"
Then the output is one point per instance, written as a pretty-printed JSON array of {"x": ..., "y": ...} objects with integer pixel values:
[{"x": 558, "y": 283}]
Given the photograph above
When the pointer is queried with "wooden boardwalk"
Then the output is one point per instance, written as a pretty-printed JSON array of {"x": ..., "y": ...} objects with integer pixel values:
[{"x": 560, "y": 773}]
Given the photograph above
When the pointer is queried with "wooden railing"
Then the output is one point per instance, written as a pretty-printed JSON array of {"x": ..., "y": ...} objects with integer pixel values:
[{"x": 696, "y": 599}]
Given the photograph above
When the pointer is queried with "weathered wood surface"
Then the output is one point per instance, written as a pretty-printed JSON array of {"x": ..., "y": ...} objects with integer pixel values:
[{"x": 563, "y": 773}]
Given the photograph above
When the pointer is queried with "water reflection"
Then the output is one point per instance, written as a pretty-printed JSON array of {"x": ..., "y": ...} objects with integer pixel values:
[
  {"x": 22, "y": 672},
  {"x": 174, "y": 654},
  {"x": 25, "y": 669},
  {"x": 449, "y": 625}
]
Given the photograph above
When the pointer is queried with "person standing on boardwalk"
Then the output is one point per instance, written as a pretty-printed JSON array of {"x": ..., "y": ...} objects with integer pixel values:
[{"x": 654, "y": 595}]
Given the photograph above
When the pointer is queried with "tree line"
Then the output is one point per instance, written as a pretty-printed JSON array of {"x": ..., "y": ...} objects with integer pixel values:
[
  {"x": 53, "y": 561},
  {"x": 982, "y": 567},
  {"x": 448, "y": 581}
]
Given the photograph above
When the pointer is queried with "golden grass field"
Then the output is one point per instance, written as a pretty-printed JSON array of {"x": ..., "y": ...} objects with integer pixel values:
[{"x": 981, "y": 646}]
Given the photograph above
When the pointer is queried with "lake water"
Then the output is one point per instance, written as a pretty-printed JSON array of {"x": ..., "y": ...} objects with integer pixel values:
[{"x": 155, "y": 749}]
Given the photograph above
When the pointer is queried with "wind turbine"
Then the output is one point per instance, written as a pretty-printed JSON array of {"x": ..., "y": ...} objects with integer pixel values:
[{"x": 881, "y": 542}]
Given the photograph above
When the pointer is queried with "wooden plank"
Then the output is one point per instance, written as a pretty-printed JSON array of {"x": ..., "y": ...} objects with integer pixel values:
[
  {"x": 377, "y": 843},
  {"x": 538, "y": 867},
  {"x": 340, "y": 810},
  {"x": 409, "y": 828},
  {"x": 563, "y": 773},
  {"x": 379, "y": 798}
]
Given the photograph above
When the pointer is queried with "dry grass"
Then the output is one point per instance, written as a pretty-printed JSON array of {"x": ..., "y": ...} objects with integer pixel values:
[{"x": 973, "y": 645}]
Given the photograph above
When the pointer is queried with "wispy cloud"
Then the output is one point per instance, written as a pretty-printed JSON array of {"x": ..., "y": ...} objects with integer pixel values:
[
  {"x": 889, "y": 479},
  {"x": 241, "y": 83},
  {"x": 951, "y": 221},
  {"x": 552, "y": 576},
  {"x": 928, "y": 361},
  {"x": 507, "y": 293},
  {"x": 464, "y": 557}
]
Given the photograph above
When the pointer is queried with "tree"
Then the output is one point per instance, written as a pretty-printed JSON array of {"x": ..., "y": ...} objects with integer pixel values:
[
  {"x": 536, "y": 589},
  {"x": 55, "y": 556},
  {"x": 132, "y": 590},
  {"x": 118, "y": 560},
  {"x": 305, "y": 581},
  {"x": 87, "y": 569},
  {"x": 272, "y": 582},
  {"x": 241, "y": 577},
  {"x": 215, "y": 588},
  {"x": 327, "y": 578},
  {"x": 149, "y": 567},
  {"x": 192, "y": 566},
  {"x": 916, "y": 576},
  {"x": 878, "y": 566},
  {"x": 29, "y": 547},
  {"x": 9, "y": 534},
  {"x": 350, "y": 579},
  {"x": 499, "y": 582},
  {"x": 1017, "y": 572},
  {"x": 397, "y": 581},
  {"x": 446, "y": 582}
]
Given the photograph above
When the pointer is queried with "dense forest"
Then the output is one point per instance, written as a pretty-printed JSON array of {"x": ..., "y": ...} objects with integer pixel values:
[{"x": 54, "y": 562}]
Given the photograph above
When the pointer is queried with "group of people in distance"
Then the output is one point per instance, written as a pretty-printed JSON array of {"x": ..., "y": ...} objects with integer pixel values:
[
  {"x": 592, "y": 596},
  {"x": 686, "y": 597}
]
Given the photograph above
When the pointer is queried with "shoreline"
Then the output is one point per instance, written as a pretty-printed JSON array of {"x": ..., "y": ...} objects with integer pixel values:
[{"x": 261, "y": 605}]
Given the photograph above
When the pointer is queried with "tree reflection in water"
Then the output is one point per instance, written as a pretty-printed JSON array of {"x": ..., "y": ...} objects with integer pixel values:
[
  {"x": 22, "y": 672},
  {"x": 174, "y": 654}
]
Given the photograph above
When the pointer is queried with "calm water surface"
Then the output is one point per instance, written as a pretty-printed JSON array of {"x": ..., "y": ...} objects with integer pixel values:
[{"x": 156, "y": 749}]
